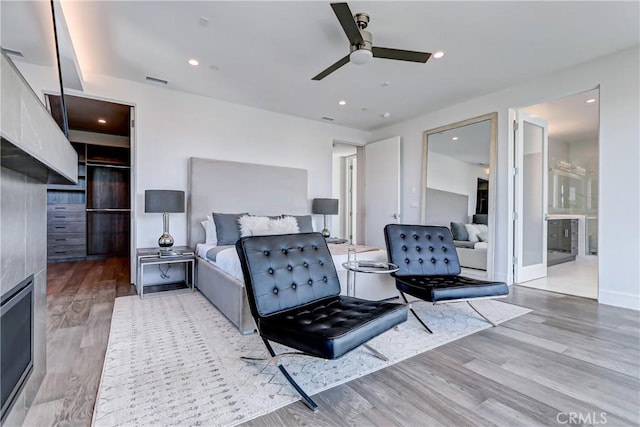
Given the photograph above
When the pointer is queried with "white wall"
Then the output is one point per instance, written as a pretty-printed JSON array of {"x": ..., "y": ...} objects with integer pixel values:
[
  {"x": 617, "y": 77},
  {"x": 172, "y": 126},
  {"x": 448, "y": 174}
]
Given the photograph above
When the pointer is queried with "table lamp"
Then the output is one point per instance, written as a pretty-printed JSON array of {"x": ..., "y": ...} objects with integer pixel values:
[
  {"x": 325, "y": 207},
  {"x": 164, "y": 202}
]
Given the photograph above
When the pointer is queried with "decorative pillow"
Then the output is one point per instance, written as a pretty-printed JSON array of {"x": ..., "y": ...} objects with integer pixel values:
[
  {"x": 286, "y": 225},
  {"x": 262, "y": 225},
  {"x": 474, "y": 230},
  {"x": 459, "y": 231},
  {"x": 227, "y": 228},
  {"x": 482, "y": 236},
  {"x": 254, "y": 225},
  {"x": 209, "y": 231},
  {"x": 305, "y": 223}
]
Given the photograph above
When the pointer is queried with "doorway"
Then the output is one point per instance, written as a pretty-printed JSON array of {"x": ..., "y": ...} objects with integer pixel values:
[
  {"x": 570, "y": 180},
  {"x": 345, "y": 189},
  {"x": 93, "y": 219}
]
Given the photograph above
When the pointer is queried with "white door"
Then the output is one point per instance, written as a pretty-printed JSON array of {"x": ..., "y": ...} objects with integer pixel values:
[
  {"x": 530, "y": 197},
  {"x": 381, "y": 188}
]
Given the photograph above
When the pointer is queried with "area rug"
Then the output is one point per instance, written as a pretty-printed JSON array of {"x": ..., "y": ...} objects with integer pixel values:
[{"x": 174, "y": 359}]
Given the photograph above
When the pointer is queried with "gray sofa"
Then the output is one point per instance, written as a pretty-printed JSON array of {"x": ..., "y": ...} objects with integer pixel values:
[{"x": 468, "y": 256}]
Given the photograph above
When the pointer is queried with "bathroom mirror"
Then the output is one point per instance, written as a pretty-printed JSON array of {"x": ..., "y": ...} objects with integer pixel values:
[{"x": 458, "y": 188}]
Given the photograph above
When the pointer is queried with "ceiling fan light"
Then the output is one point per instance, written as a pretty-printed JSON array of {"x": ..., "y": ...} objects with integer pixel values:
[{"x": 360, "y": 56}]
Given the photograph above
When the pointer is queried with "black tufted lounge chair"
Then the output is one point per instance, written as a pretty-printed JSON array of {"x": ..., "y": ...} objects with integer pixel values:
[
  {"x": 429, "y": 268},
  {"x": 294, "y": 296}
]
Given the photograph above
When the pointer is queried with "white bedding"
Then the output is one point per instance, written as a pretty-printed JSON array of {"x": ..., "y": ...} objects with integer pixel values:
[{"x": 228, "y": 261}]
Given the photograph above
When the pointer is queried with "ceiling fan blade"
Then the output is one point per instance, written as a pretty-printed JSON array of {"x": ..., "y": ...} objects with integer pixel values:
[
  {"x": 344, "y": 15},
  {"x": 332, "y": 68},
  {"x": 399, "y": 54}
]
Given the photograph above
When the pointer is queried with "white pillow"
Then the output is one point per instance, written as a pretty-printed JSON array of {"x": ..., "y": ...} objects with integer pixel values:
[
  {"x": 286, "y": 225},
  {"x": 254, "y": 225},
  {"x": 209, "y": 226},
  {"x": 475, "y": 231},
  {"x": 263, "y": 226}
]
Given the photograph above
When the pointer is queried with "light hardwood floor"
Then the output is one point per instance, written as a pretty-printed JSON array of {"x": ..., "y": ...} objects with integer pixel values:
[{"x": 569, "y": 356}]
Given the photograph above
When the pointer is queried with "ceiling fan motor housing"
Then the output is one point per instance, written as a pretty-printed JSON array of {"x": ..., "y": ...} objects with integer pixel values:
[{"x": 368, "y": 41}]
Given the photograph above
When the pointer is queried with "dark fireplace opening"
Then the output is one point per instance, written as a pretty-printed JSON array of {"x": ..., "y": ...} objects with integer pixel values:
[{"x": 16, "y": 342}]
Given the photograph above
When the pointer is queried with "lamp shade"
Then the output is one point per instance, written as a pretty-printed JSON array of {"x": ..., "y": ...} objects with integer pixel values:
[
  {"x": 325, "y": 206},
  {"x": 163, "y": 201}
]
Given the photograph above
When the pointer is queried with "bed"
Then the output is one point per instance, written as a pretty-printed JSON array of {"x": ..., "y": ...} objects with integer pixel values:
[{"x": 235, "y": 187}]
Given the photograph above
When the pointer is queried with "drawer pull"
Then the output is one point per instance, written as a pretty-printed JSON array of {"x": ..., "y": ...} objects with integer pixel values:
[
  {"x": 60, "y": 227},
  {"x": 59, "y": 216},
  {"x": 60, "y": 240},
  {"x": 59, "y": 207},
  {"x": 60, "y": 252}
]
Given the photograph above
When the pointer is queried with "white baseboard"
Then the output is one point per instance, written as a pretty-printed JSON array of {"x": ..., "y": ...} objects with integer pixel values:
[{"x": 619, "y": 299}]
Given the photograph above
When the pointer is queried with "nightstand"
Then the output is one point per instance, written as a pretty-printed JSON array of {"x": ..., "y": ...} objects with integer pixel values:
[{"x": 150, "y": 257}]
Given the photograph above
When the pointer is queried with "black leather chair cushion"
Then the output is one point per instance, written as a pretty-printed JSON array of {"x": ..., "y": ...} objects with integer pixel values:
[
  {"x": 421, "y": 250},
  {"x": 286, "y": 272},
  {"x": 444, "y": 288},
  {"x": 333, "y": 326}
]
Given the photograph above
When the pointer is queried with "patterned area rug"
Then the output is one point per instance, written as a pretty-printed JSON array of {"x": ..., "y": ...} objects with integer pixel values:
[{"x": 174, "y": 359}]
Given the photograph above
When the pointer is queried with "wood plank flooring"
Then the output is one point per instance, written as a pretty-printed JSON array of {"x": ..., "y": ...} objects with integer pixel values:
[
  {"x": 569, "y": 357},
  {"x": 80, "y": 298}
]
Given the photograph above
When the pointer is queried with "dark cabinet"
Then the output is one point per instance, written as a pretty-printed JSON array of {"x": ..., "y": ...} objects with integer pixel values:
[
  {"x": 92, "y": 218},
  {"x": 562, "y": 240}
]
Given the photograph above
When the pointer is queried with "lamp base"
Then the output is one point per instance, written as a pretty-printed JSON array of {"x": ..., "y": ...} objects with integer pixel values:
[
  {"x": 326, "y": 233},
  {"x": 165, "y": 242}
]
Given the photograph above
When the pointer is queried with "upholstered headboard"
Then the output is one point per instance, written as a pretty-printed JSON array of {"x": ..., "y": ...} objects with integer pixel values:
[
  {"x": 444, "y": 207},
  {"x": 234, "y": 187}
]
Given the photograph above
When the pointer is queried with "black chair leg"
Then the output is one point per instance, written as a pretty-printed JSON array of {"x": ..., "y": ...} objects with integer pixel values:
[
  {"x": 414, "y": 313},
  {"x": 305, "y": 397}
]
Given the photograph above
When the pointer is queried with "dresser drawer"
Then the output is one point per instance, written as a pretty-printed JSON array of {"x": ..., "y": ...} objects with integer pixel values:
[
  {"x": 66, "y": 239},
  {"x": 64, "y": 252},
  {"x": 65, "y": 215},
  {"x": 66, "y": 227},
  {"x": 66, "y": 207}
]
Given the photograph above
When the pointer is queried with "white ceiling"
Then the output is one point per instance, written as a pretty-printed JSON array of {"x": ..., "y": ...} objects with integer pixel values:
[
  {"x": 266, "y": 52},
  {"x": 570, "y": 118},
  {"x": 472, "y": 145}
]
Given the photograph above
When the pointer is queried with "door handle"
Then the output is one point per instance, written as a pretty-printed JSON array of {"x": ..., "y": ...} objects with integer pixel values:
[
  {"x": 546, "y": 217},
  {"x": 395, "y": 216}
]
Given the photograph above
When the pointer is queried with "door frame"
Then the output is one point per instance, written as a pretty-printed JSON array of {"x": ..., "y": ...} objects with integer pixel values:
[
  {"x": 359, "y": 177},
  {"x": 133, "y": 187},
  {"x": 493, "y": 153}
]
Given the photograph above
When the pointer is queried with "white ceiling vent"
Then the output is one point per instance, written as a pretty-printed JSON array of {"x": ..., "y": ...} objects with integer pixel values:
[
  {"x": 328, "y": 119},
  {"x": 156, "y": 80}
]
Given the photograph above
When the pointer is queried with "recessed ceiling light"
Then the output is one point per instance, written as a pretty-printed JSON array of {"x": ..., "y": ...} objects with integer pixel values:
[
  {"x": 455, "y": 138},
  {"x": 102, "y": 121},
  {"x": 591, "y": 101},
  {"x": 385, "y": 115},
  {"x": 342, "y": 102},
  {"x": 194, "y": 62},
  {"x": 439, "y": 54}
]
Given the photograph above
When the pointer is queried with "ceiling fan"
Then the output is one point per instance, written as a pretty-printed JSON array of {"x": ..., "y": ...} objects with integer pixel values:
[{"x": 360, "y": 40}]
